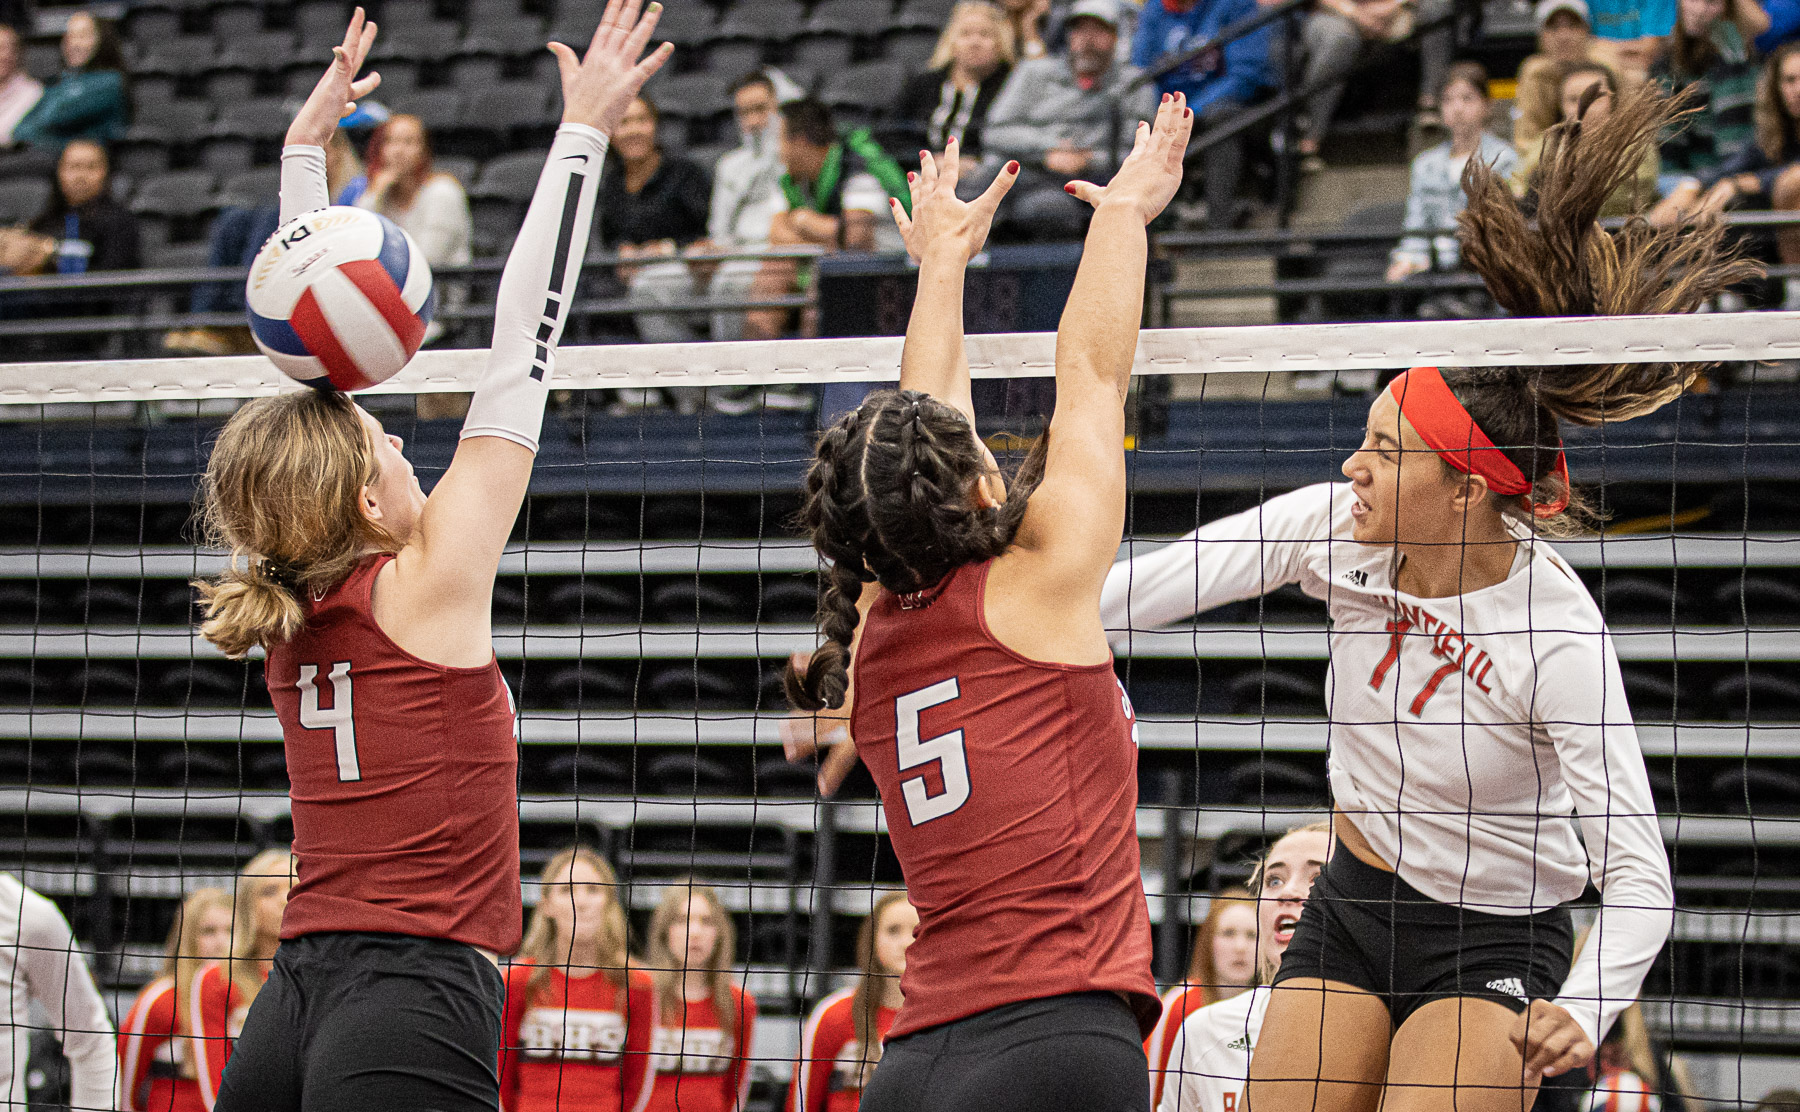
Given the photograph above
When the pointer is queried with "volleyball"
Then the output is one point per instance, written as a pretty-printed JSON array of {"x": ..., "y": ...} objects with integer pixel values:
[{"x": 339, "y": 298}]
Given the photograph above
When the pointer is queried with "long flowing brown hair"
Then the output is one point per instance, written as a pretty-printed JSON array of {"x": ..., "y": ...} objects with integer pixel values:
[
  {"x": 1565, "y": 265},
  {"x": 871, "y": 985},
  {"x": 1201, "y": 970},
  {"x": 283, "y": 492},
  {"x": 667, "y": 967},
  {"x": 1777, "y": 131},
  {"x": 182, "y": 959},
  {"x": 887, "y": 500},
  {"x": 543, "y": 948}
]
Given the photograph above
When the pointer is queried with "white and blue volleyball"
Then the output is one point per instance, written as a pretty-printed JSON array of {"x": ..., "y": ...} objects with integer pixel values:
[{"x": 340, "y": 298}]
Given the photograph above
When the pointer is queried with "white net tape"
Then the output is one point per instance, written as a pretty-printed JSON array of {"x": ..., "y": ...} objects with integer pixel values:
[{"x": 1253, "y": 349}]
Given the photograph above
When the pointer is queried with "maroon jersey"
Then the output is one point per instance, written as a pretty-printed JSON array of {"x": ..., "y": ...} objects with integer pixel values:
[
  {"x": 404, "y": 781},
  {"x": 1010, "y": 788}
]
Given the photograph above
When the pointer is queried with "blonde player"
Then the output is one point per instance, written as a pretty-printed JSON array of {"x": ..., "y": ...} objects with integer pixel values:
[
  {"x": 1475, "y": 696},
  {"x": 1209, "y": 1062},
  {"x": 1223, "y": 966}
]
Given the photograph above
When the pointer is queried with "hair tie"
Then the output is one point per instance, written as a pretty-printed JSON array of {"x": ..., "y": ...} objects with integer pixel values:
[
  {"x": 1447, "y": 429},
  {"x": 280, "y": 574}
]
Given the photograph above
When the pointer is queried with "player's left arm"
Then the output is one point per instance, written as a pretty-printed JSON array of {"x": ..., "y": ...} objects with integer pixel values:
[
  {"x": 447, "y": 569},
  {"x": 303, "y": 186},
  {"x": 943, "y": 233},
  {"x": 1580, "y": 702},
  {"x": 637, "y": 1066}
]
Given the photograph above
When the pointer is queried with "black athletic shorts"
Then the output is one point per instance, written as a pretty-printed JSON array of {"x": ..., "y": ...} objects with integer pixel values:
[
  {"x": 1365, "y": 927},
  {"x": 358, "y": 1022},
  {"x": 1080, "y": 1051}
]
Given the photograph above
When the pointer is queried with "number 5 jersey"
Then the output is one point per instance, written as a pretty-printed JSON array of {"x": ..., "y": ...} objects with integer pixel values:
[
  {"x": 404, "y": 781},
  {"x": 1010, "y": 790}
]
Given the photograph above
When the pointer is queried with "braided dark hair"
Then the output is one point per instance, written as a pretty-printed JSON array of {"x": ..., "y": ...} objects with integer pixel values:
[{"x": 888, "y": 500}]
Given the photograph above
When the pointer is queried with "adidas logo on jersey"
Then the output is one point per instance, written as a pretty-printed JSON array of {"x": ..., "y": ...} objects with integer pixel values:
[
  {"x": 1511, "y": 986},
  {"x": 1242, "y": 1042},
  {"x": 1357, "y": 577}
]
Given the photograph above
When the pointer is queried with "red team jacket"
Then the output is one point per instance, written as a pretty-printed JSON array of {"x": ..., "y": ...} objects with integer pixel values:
[
  {"x": 829, "y": 1075},
  {"x": 582, "y": 1045},
  {"x": 1178, "y": 1003},
  {"x": 699, "y": 1068},
  {"x": 403, "y": 778},
  {"x": 1010, "y": 789},
  {"x": 150, "y": 1055},
  {"x": 218, "y": 1009}
]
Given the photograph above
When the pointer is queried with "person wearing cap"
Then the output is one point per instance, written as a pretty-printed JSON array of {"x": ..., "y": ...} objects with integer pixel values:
[
  {"x": 1218, "y": 83},
  {"x": 1056, "y": 116},
  {"x": 1565, "y": 37}
]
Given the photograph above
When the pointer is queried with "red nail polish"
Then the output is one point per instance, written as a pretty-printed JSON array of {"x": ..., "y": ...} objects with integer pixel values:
[
  {"x": 1187, "y": 112},
  {"x": 1012, "y": 167},
  {"x": 1069, "y": 188}
]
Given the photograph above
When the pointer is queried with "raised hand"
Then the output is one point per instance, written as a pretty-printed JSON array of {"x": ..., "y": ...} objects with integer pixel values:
[
  {"x": 337, "y": 92},
  {"x": 598, "y": 87},
  {"x": 1151, "y": 173},
  {"x": 939, "y": 217}
]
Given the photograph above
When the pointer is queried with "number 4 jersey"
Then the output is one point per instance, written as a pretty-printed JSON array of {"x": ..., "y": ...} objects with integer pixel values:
[
  {"x": 1010, "y": 789},
  {"x": 403, "y": 777}
]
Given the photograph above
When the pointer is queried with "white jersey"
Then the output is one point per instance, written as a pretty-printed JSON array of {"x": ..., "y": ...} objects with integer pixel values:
[
  {"x": 1210, "y": 1063},
  {"x": 1464, "y": 731},
  {"x": 40, "y": 963}
]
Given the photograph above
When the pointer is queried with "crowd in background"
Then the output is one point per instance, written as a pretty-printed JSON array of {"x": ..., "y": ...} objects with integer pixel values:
[{"x": 1056, "y": 86}]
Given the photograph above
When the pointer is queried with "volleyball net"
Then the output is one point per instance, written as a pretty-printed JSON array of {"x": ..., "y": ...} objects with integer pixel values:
[{"x": 655, "y": 588}]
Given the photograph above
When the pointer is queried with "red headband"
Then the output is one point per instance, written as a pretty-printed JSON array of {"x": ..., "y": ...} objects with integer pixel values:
[{"x": 1444, "y": 425}]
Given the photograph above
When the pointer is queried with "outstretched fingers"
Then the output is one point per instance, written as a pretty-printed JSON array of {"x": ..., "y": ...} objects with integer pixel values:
[
  {"x": 639, "y": 36},
  {"x": 609, "y": 22},
  {"x": 990, "y": 198}
]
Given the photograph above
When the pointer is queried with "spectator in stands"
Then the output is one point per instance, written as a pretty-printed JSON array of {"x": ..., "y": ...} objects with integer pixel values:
[
  {"x": 1708, "y": 53},
  {"x": 430, "y": 205},
  {"x": 973, "y": 58},
  {"x": 841, "y": 1040},
  {"x": 44, "y": 969},
  {"x": 1631, "y": 1069},
  {"x": 1335, "y": 37},
  {"x": 1223, "y": 965},
  {"x": 1764, "y": 173},
  {"x": 1578, "y": 79},
  {"x": 1056, "y": 116},
  {"x": 1565, "y": 38},
  {"x": 706, "y": 1023},
  {"x": 652, "y": 205},
  {"x": 434, "y": 210},
  {"x": 833, "y": 193},
  {"x": 81, "y": 227},
  {"x": 1436, "y": 194},
  {"x": 18, "y": 89},
  {"x": 88, "y": 100},
  {"x": 156, "y": 1062},
  {"x": 745, "y": 198},
  {"x": 1218, "y": 84},
  {"x": 1027, "y": 18}
]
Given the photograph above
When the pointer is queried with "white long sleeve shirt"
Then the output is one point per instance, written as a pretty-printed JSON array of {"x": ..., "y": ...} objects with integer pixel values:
[
  {"x": 40, "y": 963},
  {"x": 1465, "y": 731},
  {"x": 1209, "y": 1065}
]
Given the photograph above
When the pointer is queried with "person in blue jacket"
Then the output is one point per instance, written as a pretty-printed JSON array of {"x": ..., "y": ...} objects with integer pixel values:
[
  {"x": 88, "y": 100},
  {"x": 1218, "y": 83}
]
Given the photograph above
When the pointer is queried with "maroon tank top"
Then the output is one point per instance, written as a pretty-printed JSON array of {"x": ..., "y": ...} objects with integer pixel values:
[
  {"x": 403, "y": 779},
  {"x": 1010, "y": 789}
]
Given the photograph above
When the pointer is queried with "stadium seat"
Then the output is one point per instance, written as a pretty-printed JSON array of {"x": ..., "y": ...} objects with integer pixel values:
[
  {"x": 458, "y": 167},
  {"x": 43, "y": 60},
  {"x": 765, "y": 21},
  {"x": 235, "y": 24},
  {"x": 583, "y": 772},
  {"x": 687, "y": 600},
  {"x": 690, "y": 774},
  {"x": 97, "y": 766},
  {"x": 178, "y": 56},
  {"x": 511, "y": 177},
  {"x": 1760, "y": 599},
  {"x": 1274, "y": 691},
  {"x": 1755, "y": 789},
  {"x": 691, "y": 96},
  {"x": 591, "y": 601},
  {"x": 148, "y": 25},
  {"x": 521, "y": 37},
  {"x": 485, "y": 13},
  {"x": 200, "y": 684},
  {"x": 779, "y": 778},
  {"x": 178, "y": 193},
  {"x": 24, "y": 684},
  {"x": 319, "y": 24},
  {"x": 257, "y": 118},
  {"x": 470, "y": 72},
  {"x": 496, "y": 224},
  {"x": 103, "y": 683},
  {"x": 871, "y": 86},
  {"x": 102, "y": 603},
  {"x": 439, "y": 110},
  {"x": 1636, "y": 600},
  {"x": 691, "y": 687},
  {"x": 21, "y": 199},
  {"x": 1653, "y": 694},
  {"x": 580, "y": 687},
  {"x": 252, "y": 188},
  {"x": 229, "y": 86},
  {"x": 730, "y": 57},
  {"x": 1755, "y": 696},
  {"x": 923, "y": 15},
  {"x": 268, "y": 768},
  {"x": 910, "y": 50},
  {"x": 686, "y": 25},
  {"x": 194, "y": 767},
  {"x": 1270, "y": 782},
  {"x": 423, "y": 41},
  {"x": 405, "y": 13},
  {"x": 789, "y": 600},
  {"x": 507, "y": 107},
  {"x": 817, "y": 54},
  {"x": 27, "y": 765},
  {"x": 849, "y": 18}
]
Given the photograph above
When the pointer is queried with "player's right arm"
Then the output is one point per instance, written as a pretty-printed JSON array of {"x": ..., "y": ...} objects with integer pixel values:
[
  {"x": 1234, "y": 558},
  {"x": 444, "y": 577}
]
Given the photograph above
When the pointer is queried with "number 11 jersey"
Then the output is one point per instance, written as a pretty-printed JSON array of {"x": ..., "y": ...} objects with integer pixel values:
[
  {"x": 403, "y": 779},
  {"x": 1010, "y": 789}
]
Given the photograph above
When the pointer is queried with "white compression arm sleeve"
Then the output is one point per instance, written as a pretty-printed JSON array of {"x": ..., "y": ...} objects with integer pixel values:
[
  {"x": 303, "y": 187},
  {"x": 536, "y": 291}
]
